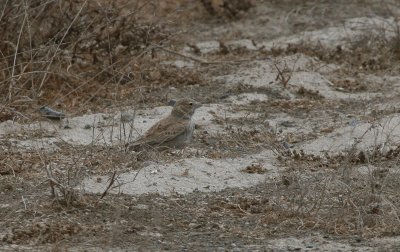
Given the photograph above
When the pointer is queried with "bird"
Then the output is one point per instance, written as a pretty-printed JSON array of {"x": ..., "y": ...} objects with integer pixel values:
[{"x": 174, "y": 131}]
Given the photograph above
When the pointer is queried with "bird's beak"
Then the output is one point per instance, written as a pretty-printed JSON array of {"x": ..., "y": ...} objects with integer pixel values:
[{"x": 198, "y": 105}]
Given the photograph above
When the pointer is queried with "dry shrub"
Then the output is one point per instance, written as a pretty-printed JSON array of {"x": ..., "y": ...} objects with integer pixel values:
[
  {"x": 321, "y": 202},
  {"x": 51, "y": 50},
  {"x": 348, "y": 194}
]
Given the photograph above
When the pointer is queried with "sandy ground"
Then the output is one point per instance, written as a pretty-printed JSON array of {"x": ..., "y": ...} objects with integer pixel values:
[{"x": 299, "y": 125}]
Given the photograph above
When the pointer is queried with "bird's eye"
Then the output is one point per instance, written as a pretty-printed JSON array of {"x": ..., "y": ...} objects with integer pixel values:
[{"x": 190, "y": 103}]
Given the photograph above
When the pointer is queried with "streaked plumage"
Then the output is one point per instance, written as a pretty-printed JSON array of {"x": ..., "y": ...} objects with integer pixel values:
[{"x": 174, "y": 131}]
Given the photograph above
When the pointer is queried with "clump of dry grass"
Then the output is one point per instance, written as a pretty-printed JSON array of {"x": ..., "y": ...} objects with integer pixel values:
[
  {"x": 56, "y": 52},
  {"x": 351, "y": 193}
]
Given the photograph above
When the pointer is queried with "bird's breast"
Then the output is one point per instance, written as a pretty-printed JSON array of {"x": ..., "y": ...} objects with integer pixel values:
[{"x": 189, "y": 131}]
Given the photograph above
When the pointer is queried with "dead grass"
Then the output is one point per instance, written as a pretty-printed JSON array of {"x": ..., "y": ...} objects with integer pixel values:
[
  {"x": 350, "y": 193},
  {"x": 98, "y": 53},
  {"x": 372, "y": 53}
]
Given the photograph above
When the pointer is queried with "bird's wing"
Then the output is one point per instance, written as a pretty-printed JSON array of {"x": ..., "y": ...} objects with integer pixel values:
[{"x": 163, "y": 131}]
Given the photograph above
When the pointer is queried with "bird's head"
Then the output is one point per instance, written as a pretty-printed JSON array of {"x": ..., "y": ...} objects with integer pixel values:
[{"x": 184, "y": 108}]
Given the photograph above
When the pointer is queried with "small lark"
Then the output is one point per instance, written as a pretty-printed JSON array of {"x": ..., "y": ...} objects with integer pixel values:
[{"x": 174, "y": 131}]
